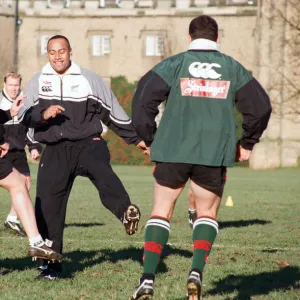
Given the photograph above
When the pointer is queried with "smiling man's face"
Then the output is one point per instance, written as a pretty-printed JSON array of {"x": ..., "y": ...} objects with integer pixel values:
[{"x": 59, "y": 55}]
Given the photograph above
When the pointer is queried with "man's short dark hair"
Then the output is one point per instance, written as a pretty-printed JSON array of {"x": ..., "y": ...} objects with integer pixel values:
[
  {"x": 204, "y": 27},
  {"x": 13, "y": 75},
  {"x": 56, "y": 37}
]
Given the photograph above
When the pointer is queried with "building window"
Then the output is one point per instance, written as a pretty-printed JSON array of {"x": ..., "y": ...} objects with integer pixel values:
[
  {"x": 109, "y": 3},
  {"x": 100, "y": 45},
  {"x": 154, "y": 45},
  {"x": 43, "y": 43}
]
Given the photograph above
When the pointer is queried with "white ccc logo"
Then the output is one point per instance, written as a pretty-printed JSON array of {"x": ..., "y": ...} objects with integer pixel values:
[{"x": 204, "y": 70}]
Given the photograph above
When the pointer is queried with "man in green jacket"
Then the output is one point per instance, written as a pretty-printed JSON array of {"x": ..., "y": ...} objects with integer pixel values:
[{"x": 195, "y": 140}]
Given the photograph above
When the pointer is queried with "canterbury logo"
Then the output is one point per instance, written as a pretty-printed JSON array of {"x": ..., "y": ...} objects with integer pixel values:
[
  {"x": 204, "y": 70},
  {"x": 46, "y": 89}
]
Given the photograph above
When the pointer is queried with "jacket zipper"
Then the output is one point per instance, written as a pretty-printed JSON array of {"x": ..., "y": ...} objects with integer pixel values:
[{"x": 61, "y": 99}]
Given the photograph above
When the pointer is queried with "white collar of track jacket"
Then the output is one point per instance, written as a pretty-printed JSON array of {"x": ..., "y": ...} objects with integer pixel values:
[
  {"x": 6, "y": 103},
  {"x": 5, "y": 95},
  {"x": 74, "y": 69},
  {"x": 203, "y": 44}
]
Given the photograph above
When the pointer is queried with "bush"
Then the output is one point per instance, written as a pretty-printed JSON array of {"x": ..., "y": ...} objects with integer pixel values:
[{"x": 120, "y": 152}]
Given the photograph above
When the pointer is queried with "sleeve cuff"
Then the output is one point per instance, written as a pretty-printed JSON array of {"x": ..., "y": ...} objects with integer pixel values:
[
  {"x": 246, "y": 145},
  {"x": 148, "y": 143},
  {"x": 9, "y": 115},
  {"x": 138, "y": 140},
  {"x": 38, "y": 115}
]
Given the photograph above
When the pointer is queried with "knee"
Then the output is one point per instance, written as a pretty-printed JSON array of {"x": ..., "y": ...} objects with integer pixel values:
[{"x": 19, "y": 184}]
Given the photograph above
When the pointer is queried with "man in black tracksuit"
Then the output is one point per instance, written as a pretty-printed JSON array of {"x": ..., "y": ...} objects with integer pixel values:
[
  {"x": 17, "y": 136},
  {"x": 65, "y": 105}
]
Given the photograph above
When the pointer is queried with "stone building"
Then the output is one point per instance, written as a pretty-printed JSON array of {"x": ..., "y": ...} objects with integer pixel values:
[
  {"x": 277, "y": 50},
  {"x": 121, "y": 37}
]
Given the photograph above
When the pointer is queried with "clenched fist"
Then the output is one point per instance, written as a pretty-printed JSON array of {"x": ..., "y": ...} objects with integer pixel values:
[
  {"x": 141, "y": 145},
  {"x": 35, "y": 154},
  {"x": 242, "y": 154}
]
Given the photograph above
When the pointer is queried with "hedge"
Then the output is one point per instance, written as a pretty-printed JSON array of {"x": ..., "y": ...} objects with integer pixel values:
[{"x": 120, "y": 152}]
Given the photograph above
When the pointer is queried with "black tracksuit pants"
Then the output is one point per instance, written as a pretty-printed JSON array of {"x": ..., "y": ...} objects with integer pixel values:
[{"x": 59, "y": 165}]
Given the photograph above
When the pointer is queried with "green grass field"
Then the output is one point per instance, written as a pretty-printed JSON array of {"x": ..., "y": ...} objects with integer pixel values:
[{"x": 259, "y": 236}]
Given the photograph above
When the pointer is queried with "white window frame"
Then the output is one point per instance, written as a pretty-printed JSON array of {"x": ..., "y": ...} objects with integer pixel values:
[
  {"x": 100, "y": 44},
  {"x": 43, "y": 43},
  {"x": 154, "y": 45}
]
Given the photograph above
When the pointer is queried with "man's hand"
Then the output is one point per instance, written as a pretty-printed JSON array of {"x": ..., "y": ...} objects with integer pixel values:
[
  {"x": 147, "y": 151},
  {"x": 35, "y": 154},
  {"x": 52, "y": 112},
  {"x": 4, "y": 149},
  {"x": 242, "y": 154},
  {"x": 16, "y": 106},
  {"x": 141, "y": 145}
]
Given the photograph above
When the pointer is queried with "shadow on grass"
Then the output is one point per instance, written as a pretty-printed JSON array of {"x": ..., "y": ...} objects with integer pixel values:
[
  {"x": 77, "y": 261},
  {"x": 84, "y": 224},
  {"x": 242, "y": 223},
  {"x": 224, "y": 224},
  {"x": 258, "y": 284},
  {"x": 271, "y": 250}
]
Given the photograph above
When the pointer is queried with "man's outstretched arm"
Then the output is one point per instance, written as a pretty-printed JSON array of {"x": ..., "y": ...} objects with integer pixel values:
[
  {"x": 151, "y": 91},
  {"x": 109, "y": 110},
  {"x": 254, "y": 104}
]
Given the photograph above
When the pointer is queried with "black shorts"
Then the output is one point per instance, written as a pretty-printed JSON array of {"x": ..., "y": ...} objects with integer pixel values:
[
  {"x": 175, "y": 175},
  {"x": 6, "y": 168},
  {"x": 18, "y": 160}
]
